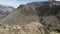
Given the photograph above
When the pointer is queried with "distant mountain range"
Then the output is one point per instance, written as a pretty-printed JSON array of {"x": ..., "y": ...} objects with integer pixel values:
[{"x": 5, "y": 10}]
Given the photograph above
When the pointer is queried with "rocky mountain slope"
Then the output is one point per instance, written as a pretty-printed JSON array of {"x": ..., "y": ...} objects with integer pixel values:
[
  {"x": 46, "y": 13},
  {"x": 5, "y": 10}
]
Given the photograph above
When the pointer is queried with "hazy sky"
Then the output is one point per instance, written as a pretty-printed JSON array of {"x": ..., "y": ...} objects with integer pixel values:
[{"x": 16, "y": 3}]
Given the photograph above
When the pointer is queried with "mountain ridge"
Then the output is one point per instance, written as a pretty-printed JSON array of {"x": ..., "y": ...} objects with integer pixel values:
[{"x": 5, "y": 10}]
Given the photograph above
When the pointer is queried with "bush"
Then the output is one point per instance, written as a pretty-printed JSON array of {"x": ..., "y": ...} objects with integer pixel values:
[{"x": 47, "y": 10}]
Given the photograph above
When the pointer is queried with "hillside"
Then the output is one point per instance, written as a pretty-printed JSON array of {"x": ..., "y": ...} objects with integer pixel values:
[
  {"x": 34, "y": 27},
  {"x": 46, "y": 13}
]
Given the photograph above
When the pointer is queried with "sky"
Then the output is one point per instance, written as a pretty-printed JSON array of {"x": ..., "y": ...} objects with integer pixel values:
[{"x": 16, "y": 3}]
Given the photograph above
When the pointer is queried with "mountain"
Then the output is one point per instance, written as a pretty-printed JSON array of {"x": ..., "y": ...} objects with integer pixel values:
[
  {"x": 46, "y": 13},
  {"x": 5, "y": 10},
  {"x": 32, "y": 12}
]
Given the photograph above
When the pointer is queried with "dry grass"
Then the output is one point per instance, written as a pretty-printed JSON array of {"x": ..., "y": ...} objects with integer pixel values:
[
  {"x": 54, "y": 33},
  {"x": 3, "y": 31},
  {"x": 32, "y": 28}
]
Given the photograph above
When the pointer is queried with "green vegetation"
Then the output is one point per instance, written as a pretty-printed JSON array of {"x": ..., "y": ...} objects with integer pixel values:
[
  {"x": 21, "y": 6},
  {"x": 47, "y": 10}
]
